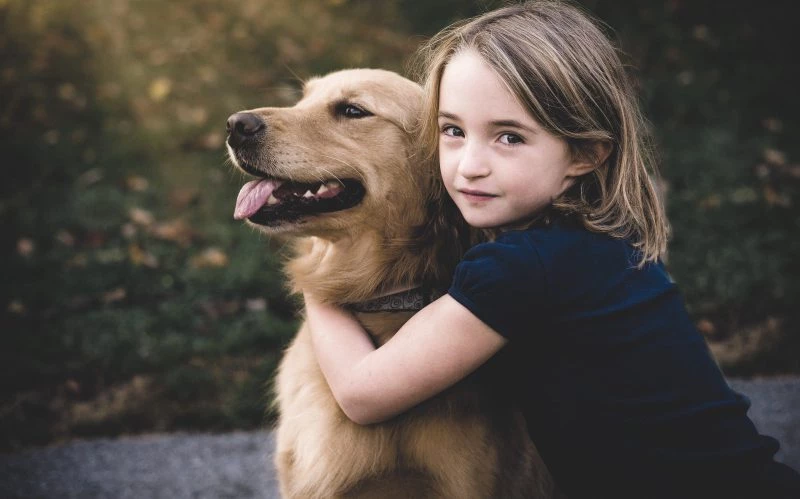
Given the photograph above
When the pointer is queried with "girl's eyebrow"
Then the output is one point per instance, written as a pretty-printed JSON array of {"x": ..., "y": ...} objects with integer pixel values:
[
  {"x": 512, "y": 124},
  {"x": 495, "y": 123}
]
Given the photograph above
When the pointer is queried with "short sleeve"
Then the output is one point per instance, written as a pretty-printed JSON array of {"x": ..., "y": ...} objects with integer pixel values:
[{"x": 503, "y": 284}]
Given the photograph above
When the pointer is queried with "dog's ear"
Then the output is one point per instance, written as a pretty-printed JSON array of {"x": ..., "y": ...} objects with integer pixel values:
[{"x": 402, "y": 104}]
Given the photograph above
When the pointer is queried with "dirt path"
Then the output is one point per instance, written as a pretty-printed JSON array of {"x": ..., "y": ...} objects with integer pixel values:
[{"x": 237, "y": 465}]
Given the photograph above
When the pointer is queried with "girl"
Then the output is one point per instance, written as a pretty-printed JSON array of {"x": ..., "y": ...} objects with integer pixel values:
[{"x": 541, "y": 142}]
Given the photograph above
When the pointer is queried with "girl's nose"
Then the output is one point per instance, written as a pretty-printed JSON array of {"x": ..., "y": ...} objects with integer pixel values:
[{"x": 473, "y": 163}]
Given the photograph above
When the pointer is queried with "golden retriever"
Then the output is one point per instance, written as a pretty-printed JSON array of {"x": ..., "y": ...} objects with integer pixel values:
[{"x": 339, "y": 173}]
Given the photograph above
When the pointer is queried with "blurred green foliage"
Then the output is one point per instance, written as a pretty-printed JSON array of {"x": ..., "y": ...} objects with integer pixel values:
[{"x": 131, "y": 301}]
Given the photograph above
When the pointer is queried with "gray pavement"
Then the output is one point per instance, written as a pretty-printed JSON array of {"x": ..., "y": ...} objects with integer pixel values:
[{"x": 238, "y": 465}]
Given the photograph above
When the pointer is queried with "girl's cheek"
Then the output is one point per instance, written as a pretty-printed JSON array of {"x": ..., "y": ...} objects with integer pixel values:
[{"x": 447, "y": 164}]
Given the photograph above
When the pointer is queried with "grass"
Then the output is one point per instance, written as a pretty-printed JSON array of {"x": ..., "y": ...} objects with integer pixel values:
[{"x": 131, "y": 301}]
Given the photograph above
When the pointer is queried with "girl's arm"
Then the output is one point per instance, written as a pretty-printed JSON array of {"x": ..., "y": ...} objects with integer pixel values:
[{"x": 437, "y": 347}]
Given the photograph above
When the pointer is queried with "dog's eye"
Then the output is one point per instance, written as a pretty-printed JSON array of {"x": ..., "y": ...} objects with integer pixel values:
[{"x": 351, "y": 111}]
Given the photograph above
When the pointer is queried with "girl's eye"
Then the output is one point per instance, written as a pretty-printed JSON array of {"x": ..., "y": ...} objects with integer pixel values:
[
  {"x": 511, "y": 139},
  {"x": 452, "y": 131}
]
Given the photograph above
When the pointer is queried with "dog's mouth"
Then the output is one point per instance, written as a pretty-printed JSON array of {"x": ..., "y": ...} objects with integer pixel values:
[{"x": 270, "y": 201}]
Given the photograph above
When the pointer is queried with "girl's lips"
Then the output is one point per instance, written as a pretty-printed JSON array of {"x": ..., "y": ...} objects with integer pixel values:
[{"x": 473, "y": 195}]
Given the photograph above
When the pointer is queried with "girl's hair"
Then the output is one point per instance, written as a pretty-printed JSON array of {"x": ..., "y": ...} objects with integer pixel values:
[{"x": 558, "y": 63}]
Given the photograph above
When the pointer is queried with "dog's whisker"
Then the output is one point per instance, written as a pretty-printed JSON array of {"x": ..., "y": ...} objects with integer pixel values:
[
  {"x": 322, "y": 179},
  {"x": 338, "y": 160},
  {"x": 360, "y": 175},
  {"x": 331, "y": 174},
  {"x": 303, "y": 148}
]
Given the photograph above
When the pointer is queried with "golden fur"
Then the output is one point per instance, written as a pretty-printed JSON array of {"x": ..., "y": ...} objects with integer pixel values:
[{"x": 464, "y": 443}]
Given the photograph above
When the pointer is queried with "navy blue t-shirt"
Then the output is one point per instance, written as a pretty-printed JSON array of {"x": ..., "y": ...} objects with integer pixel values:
[{"x": 621, "y": 395}]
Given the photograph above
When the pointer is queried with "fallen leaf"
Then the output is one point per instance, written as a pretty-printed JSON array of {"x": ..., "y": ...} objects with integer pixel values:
[
  {"x": 159, "y": 89},
  {"x": 51, "y": 137},
  {"x": 25, "y": 247},
  {"x": 712, "y": 201},
  {"x": 775, "y": 198},
  {"x": 90, "y": 177},
  {"x": 141, "y": 216},
  {"x": 182, "y": 197},
  {"x": 211, "y": 257},
  {"x": 772, "y": 124},
  {"x": 128, "y": 230},
  {"x": 139, "y": 256},
  {"x": 212, "y": 141},
  {"x": 700, "y": 32},
  {"x": 176, "y": 231},
  {"x": 762, "y": 171},
  {"x": 256, "y": 304},
  {"x": 137, "y": 183},
  {"x": 65, "y": 238},
  {"x": 115, "y": 295},
  {"x": 72, "y": 386},
  {"x": 16, "y": 307},
  {"x": 67, "y": 91},
  {"x": 774, "y": 156}
]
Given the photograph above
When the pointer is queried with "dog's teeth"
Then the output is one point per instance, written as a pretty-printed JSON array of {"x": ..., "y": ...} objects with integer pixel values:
[
  {"x": 272, "y": 200},
  {"x": 333, "y": 184},
  {"x": 322, "y": 189},
  {"x": 308, "y": 194}
]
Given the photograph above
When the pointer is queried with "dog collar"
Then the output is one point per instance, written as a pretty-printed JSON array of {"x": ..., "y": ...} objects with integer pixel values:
[{"x": 410, "y": 300}]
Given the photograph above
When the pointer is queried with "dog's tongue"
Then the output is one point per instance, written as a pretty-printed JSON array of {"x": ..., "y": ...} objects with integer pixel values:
[{"x": 253, "y": 196}]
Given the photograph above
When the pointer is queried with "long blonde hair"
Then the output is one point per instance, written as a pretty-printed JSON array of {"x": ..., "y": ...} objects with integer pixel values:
[{"x": 559, "y": 64}]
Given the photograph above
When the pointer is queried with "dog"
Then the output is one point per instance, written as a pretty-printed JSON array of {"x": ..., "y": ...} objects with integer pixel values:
[{"x": 340, "y": 175}]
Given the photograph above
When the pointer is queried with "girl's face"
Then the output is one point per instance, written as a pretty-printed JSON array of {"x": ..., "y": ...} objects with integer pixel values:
[{"x": 498, "y": 164}]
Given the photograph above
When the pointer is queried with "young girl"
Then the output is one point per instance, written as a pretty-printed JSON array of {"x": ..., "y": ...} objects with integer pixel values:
[{"x": 541, "y": 142}]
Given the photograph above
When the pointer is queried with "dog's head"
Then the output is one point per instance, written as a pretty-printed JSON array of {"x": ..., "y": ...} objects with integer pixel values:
[{"x": 342, "y": 158}]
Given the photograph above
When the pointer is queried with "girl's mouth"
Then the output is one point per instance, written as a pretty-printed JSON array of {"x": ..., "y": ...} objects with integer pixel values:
[{"x": 474, "y": 195}]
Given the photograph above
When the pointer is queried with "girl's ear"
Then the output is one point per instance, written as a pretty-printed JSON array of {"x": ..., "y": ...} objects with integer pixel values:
[{"x": 597, "y": 154}]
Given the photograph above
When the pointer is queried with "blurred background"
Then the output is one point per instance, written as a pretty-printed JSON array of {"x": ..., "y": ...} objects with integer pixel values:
[{"x": 131, "y": 301}]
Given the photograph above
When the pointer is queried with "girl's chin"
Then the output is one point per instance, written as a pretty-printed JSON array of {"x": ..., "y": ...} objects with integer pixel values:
[
  {"x": 482, "y": 222},
  {"x": 496, "y": 223}
]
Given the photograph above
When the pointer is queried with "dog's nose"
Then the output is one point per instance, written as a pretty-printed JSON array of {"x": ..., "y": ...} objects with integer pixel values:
[{"x": 243, "y": 126}]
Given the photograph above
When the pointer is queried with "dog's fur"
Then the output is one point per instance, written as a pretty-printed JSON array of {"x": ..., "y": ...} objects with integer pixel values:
[{"x": 461, "y": 444}]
